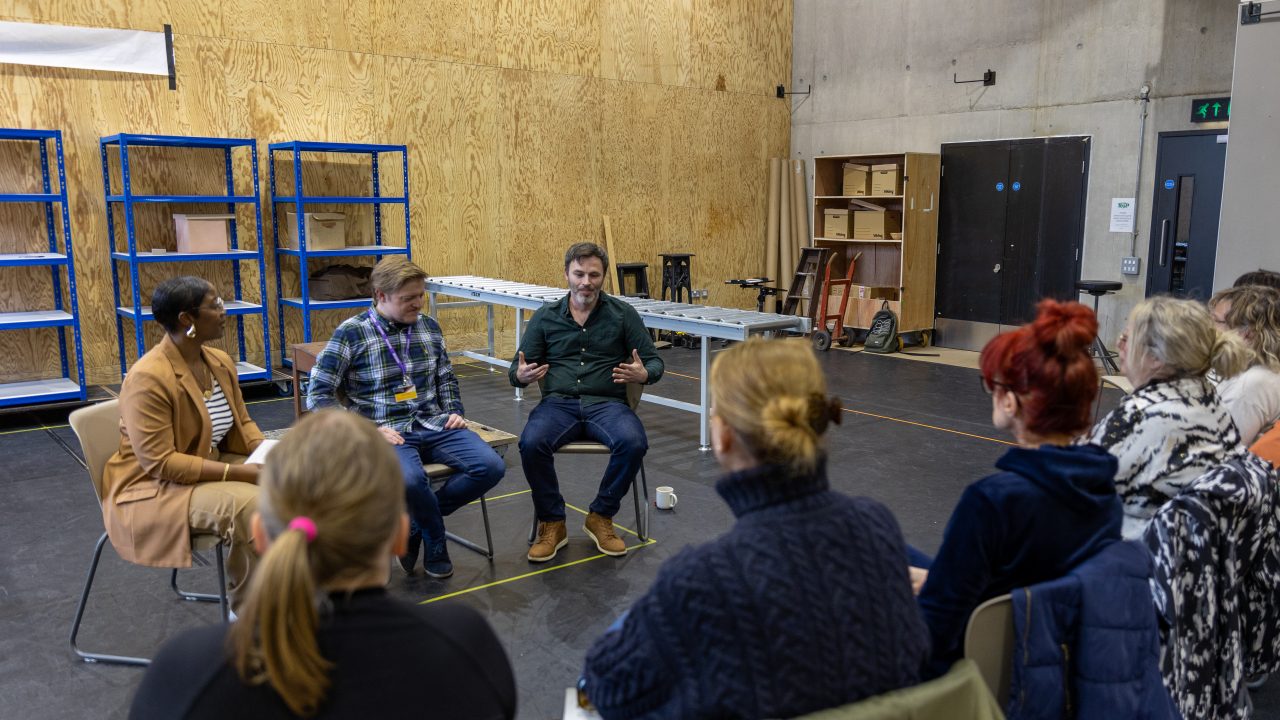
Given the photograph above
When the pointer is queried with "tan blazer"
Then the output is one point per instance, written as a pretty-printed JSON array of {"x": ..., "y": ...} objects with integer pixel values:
[{"x": 165, "y": 433}]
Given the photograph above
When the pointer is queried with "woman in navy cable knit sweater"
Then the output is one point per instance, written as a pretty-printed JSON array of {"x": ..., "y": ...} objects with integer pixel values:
[{"x": 804, "y": 604}]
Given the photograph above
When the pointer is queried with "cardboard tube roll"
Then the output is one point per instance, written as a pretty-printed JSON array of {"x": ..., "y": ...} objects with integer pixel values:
[{"x": 771, "y": 227}]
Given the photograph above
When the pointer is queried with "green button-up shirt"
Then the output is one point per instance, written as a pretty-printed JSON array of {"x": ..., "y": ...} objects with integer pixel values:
[{"x": 582, "y": 357}]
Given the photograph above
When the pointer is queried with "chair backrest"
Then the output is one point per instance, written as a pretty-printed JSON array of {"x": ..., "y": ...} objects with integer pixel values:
[
  {"x": 988, "y": 641},
  {"x": 634, "y": 391},
  {"x": 97, "y": 427},
  {"x": 960, "y": 693}
]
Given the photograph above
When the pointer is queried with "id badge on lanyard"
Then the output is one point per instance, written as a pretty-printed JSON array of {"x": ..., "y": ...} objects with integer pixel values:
[{"x": 405, "y": 391}]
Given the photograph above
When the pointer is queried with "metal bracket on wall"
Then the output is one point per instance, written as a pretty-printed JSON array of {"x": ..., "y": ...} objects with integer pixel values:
[
  {"x": 988, "y": 78},
  {"x": 168, "y": 54},
  {"x": 1251, "y": 13},
  {"x": 782, "y": 91}
]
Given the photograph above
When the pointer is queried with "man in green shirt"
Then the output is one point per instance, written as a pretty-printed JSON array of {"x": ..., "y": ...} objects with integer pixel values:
[{"x": 582, "y": 350}]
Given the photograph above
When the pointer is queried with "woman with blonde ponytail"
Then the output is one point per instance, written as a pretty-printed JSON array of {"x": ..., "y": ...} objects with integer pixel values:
[
  {"x": 803, "y": 605},
  {"x": 1172, "y": 428},
  {"x": 318, "y": 636}
]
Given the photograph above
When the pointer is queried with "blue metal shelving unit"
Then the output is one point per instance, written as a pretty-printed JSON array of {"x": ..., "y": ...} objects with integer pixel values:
[
  {"x": 237, "y": 307},
  {"x": 299, "y": 200},
  {"x": 60, "y": 317}
]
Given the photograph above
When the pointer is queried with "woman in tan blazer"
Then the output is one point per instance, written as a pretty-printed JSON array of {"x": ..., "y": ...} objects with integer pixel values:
[{"x": 184, "y": 433}]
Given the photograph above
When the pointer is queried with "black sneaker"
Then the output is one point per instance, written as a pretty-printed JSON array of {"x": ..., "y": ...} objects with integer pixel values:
[
  {"x": 410, "y": 558},
  {"x": 437, "y": 562}
]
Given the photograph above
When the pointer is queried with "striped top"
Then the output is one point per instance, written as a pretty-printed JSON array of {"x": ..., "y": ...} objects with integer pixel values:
[{"x": 219, "y": 414}]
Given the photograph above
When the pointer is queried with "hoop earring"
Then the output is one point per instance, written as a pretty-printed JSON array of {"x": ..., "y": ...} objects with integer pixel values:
[{"x": 191, "y": 331}]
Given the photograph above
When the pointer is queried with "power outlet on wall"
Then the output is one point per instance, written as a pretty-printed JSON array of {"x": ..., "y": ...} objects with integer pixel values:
[{"x": 1130, "y": 265}]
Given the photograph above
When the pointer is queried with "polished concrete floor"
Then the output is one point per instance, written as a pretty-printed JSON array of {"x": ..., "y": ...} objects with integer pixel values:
[{"x": 914, "y": 434}]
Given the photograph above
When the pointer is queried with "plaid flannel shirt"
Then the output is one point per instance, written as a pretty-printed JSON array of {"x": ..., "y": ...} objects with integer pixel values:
[{"x": 357, "y": 362}]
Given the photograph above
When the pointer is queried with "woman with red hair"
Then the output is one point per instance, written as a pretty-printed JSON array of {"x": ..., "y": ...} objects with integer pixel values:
[{"x": 1052, "y": 505}]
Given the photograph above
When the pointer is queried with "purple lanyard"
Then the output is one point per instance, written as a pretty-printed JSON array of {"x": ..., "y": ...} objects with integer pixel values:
[{"x": 377, "y": 325}]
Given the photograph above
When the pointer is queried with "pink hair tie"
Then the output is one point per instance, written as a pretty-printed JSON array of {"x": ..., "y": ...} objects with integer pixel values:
[{"x": 306, "y": 525}]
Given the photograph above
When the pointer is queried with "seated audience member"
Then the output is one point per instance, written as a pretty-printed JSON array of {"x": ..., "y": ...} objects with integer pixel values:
[
  {"x": 1266, "y": 278},
  {"x": 1172, "y": 428},
  {"x": 319, "y": 636},
  {"x": 391, "y": 365},
  {"x": 1253, "y": 396},
  {"x": 803, "y": 605},
  {"x": 184, "y": 433},
  {"x": 583, "y": 350},
  {"x": 1052, "y": 505}
]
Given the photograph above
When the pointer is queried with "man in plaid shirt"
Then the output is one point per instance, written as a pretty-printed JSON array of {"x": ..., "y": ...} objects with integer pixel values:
[{"x": 389, "y": 364}]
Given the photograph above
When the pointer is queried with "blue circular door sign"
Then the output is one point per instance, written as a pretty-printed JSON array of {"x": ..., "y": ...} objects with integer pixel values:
[
  {"x": 1017, "y": 186},
  {"x": 999, "y": 187},
  {"x": 1168, "y": 184}
]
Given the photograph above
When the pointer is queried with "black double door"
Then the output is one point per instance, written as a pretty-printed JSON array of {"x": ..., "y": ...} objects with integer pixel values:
[
  {"x": 1010, "y": 230},
  {"x": 1184, "y": 215}
]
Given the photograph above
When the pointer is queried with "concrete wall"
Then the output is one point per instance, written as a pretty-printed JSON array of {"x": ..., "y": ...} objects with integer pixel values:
[
  {"x": 1250, "y": 216},
  {"x": 881, "y": 72}
]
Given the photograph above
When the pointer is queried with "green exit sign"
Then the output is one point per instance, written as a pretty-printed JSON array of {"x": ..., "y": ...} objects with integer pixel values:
[{"x": 1211, "y": 110}]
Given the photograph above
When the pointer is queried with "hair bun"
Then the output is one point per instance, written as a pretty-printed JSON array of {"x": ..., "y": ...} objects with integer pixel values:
[{"x": 1064, "y": 328}]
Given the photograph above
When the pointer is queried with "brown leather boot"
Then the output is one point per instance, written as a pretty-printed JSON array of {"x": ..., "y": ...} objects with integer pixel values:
[
  {"x": 551, "y": 537},
  {"x": 600, "y": 528}
]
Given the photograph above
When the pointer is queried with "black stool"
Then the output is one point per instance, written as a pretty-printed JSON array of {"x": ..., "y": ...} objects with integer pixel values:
[
  {"x": 675, "y": 277},
  {"x": 1098, "y": 288},
  {"x": 637, "y": 274}
]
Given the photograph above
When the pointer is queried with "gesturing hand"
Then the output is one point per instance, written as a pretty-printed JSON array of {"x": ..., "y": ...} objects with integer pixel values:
[
  {"x": 631, "y": 372},
  {"x": 529, "y": 373}
]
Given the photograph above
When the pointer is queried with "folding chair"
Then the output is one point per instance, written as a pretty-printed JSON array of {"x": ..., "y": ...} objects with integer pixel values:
[
  {"x": 639, "y": 486},
  {"x": 97, "y": 427},
  {"x": 988, "y": 641}
]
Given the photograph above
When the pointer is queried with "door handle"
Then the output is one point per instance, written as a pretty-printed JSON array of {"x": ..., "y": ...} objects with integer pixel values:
[
  {"x": 930, "y": 208},
  {"x": 1164, "y": 237}
]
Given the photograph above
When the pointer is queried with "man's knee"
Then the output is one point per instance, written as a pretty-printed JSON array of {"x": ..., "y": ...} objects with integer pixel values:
[{"x": 491, "y": 471}]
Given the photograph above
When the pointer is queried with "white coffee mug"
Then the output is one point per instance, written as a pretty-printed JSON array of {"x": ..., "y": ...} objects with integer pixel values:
[{"x": 665, "y": 498}]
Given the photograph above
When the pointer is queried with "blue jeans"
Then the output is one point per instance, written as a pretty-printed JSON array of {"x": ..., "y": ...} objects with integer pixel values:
[
  {"x": 479, "y": 469},
  {"x": 559, "y": 421}
]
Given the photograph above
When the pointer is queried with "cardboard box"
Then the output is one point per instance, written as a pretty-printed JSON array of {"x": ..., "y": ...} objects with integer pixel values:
[
  {"x": 835, "y": 223},
  {"x": 876, "y": 224},
  {"x": 857, "y": 179},
  {"x": 203, "y": 233},
  {"x": 859, "y": 312},
  {"x": 885, "y": 179},
  {"x": 325, "y": 231}
]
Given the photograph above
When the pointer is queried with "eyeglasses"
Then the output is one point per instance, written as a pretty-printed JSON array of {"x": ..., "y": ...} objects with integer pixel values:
[
  {"x": 218, "y": 306},
  {"x": 989, "y": 386}
]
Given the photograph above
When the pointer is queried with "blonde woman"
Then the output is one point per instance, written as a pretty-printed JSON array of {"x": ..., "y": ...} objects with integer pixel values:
[
  {"x": 803, "y": 604},
  {"x": 1253, "y": 396},
  {"x": 1172, "y": 428},
  {"x": 318, "y": 635}
]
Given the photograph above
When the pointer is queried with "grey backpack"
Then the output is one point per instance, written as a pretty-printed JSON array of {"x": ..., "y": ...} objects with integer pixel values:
[{"x": 883, "y": 336}]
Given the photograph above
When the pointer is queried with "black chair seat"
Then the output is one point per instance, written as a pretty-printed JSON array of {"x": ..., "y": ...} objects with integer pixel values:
[{"x": 1099, "y": 287}]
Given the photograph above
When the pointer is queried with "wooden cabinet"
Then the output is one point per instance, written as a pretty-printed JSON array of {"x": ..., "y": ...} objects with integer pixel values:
[{"x": 898, "y": 244}]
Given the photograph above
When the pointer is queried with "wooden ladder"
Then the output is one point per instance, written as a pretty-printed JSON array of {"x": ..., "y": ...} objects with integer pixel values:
[{"x": 807, "y": 283}]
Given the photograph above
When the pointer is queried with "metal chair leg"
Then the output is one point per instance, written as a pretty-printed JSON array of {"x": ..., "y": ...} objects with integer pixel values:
[
  {"x": 221, "y": 597},
  {"x": 92, "y": 657},
  {"x": 642, "y": 516},
  {"x": 485, "y": 550}
]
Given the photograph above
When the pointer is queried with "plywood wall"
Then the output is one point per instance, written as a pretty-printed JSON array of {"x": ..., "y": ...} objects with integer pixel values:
[{"x": 526, "y": 120}]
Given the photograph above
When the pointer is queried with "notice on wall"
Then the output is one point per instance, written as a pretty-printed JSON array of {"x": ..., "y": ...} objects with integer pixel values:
[{"x": 1122, "y": 210}]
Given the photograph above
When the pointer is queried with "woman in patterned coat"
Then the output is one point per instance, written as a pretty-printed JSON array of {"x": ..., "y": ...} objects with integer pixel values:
[{"x": 1172, "y": 428}]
